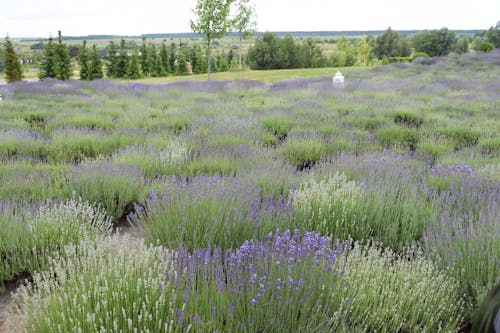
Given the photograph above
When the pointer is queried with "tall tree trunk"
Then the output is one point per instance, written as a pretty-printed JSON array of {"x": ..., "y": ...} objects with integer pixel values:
[
  {"x": 209, "y": 59},
  {"x": 241, "y": 66}
]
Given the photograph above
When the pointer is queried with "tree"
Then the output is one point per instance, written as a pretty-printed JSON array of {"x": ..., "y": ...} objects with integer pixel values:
[
  {"x": 312, "y": 53},
  {"x": 112, "y": 63},
  {"x": 83, "y": 61},
  {"x": 48, "y": 61},
  {"x": 434, "y": 42},
  {"x": 63, "y": 60},
  {"x": 493, "y": 35},
  {"x": 134, "y": 66},
  {"x": 364, "y": 51},
  {"x": 387, "y": 44},
  {"x": 165, "y": 61},
  {"x": 266, "y": 53},
  {"x": 244, "y": 23},
  {"x": 211, "y": 21},
  {"x": 95, "y": 65},
  {"x": 13, "y": 70},
  {"x": 146, "y": 63},
  {"x": 122, "y": 62}
]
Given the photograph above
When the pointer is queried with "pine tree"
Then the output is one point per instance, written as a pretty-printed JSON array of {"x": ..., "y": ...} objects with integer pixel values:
[
  {"x": 83, "y": 62},
  {"x": 63, "y": 60},
  {"x": 122, "y": 63},
  {"x": 112, "y": 62},
  {"x": 157, "y": 64},
  {"x": 95, "y": 65},
  {"x": 134, "y": 68},
  {"x": 13, "y": 70},
  {"x": 181, "y": 65},
  {"x": 173, "y": 57},
  {"x": 145, "y": 58},
  {"x": 165, "y": 58},
  {"x": 48, "y": 61}
]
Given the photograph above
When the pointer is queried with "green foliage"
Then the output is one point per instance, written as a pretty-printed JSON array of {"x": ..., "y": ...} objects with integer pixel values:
[
  {"x": 303, "y": 154},
  {"x": 244, "y": 23},
  {"x": 434, "y": 42},
  {"x": 112, "y": 63},
  {"x": 393, "y": 293},
  {"x": 277, "y": 125},
  {"x": 493, "y": 35},
  {"x": 95, "y": 65},
  {"x": 13, "y": 70},
  {"x": 116, "y": 188},
  {"x": 390, "y": 136},
  {"x": 83, "y": 61},
  {"x": 485, "y": 46},
  {"x": 272, "y": 52},
  {"x": 212, "y": 165},
  {"x": 490, "y": 146},
  {"x": 63, "y": 61},
  {"x": 461, "y": 136},
  {"x": 48, "y": 63},
  {"x": 216, "y": 213},
  {"x": 408, "y": 118},
  {"x": 134, "y": 67},
  {"x": 387, "y": 44},
  {"x": 99, "y": 286},
  {"x": 30, "y": 239},
  {"x": 212, "y": 20},
  {"x": 419, "y": 54}
]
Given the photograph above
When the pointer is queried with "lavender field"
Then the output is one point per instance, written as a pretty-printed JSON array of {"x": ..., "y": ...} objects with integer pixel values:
[{"x": 243, "y": 206}]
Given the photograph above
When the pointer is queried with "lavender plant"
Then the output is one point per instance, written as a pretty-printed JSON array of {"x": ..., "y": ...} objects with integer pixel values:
[{"x": 31, "y": 236}]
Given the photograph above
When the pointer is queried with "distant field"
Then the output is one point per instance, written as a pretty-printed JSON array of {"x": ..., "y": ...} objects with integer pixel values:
[{"x": 264, "y": 76}]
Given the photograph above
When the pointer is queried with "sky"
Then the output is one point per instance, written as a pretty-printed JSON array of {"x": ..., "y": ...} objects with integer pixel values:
[{"x": 41, "y": 18}]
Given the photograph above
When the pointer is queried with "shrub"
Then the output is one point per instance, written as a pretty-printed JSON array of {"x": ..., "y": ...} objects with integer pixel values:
[
  {"x": 327, "y": 206},
  {"x": 303, "y": 154},
  {"x": 485, "y": 46},
  {"x": 113, "y": 284},
  {"x": 277, "y": 125},
  {"x": 461, "y": 136},
  {"x": 116, "y": 188},
  {"x": 490, "y": 146},
  {"x": 204, "y": 212},
  {"x": 390, "y": 136},
  {"x": 467, "y": 246},
  {"x": 211, "y": 165},
  {"x": 155, "y": 161},
  {"x": 419, "y": 55},
  {"x": 393, "y": 293},
  {"x": 408, "y": 118},
  {"x": 30, "y": 237}
]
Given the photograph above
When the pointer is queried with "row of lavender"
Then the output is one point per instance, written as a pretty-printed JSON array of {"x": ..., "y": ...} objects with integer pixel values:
[{"x": 400, "y": 158}]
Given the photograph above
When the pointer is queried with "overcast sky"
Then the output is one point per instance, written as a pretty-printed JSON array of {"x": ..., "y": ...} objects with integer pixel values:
[{"x": 40, "y": 18}]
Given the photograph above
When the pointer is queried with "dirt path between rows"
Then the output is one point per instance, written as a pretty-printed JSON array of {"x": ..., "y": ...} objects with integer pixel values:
[{"x": 5, "y": 297}]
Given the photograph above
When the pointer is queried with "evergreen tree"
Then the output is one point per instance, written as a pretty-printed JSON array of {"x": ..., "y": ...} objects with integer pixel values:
[
  {"x": 63, "y": 60},
  {"x": 173, "y": 57},
  {"x": 134, "y": 68},
  {"x": 95, "y": 64},
  {"x": 165, "y": 62},
  {"x": 13, "y": 70},
  {"x": 122, "y": 63},
  {"x": 145, "y": 58},
  {"x": 112, "y": 63},
  {"x": 181, "y": 65},
  {"x": 83, "y": 62},
  {"x": 157, "y": 64},
  {"x": 48, "y": 61}
]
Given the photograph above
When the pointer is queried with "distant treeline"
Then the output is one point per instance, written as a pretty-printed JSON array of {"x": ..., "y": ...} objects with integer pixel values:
[{"x": 324, "y": 33}]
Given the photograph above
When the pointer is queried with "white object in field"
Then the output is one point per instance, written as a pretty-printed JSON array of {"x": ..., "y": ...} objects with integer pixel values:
[
  {"x": 338, "y": 79},
  {"x": 1, "y": 98}
]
